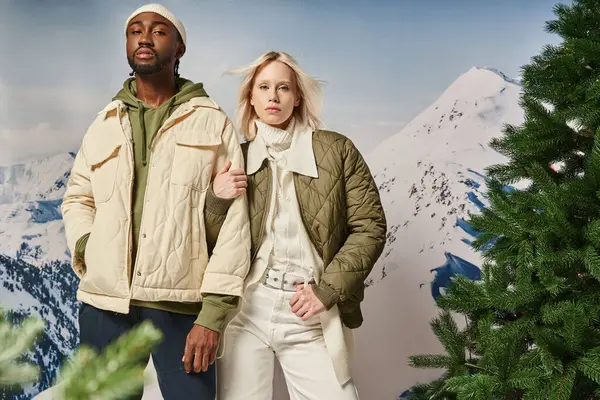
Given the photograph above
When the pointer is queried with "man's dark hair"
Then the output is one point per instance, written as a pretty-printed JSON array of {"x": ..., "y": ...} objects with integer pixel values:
[
  {"x": 180, "y": 39},
  {"x": 177, "y": 69}
]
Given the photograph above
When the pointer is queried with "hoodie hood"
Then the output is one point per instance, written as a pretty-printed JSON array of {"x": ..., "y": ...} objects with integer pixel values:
[
  {"x": 145, "y": 120},
  {"x": 187, "y": 90}
]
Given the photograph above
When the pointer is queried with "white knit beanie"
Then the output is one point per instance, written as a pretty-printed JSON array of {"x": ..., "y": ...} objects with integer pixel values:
[{"x": 160, "y": 10}]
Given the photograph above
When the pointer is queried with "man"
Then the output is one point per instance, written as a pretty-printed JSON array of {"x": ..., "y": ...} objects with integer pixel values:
[{"x": 133, "y": 213}]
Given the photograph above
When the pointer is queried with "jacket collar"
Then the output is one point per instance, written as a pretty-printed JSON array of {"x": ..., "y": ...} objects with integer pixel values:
[
  {"x": 184, "y": 109},
  {"x": 299, "y": 158}
]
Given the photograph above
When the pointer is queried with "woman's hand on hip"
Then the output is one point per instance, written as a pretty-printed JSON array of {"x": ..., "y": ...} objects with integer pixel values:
[
  {"x": 230, "y": 183},
  {"x": 305, "y": 303}
]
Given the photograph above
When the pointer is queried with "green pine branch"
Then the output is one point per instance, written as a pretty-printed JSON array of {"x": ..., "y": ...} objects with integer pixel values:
[
  {"x": 431, "y": 391},
  {"x": 589, "y": 365},
  {"x": 14, "y": 343},
  {"x": 454, "y": 342},
  {"x": 480, "y": 386},
  {"x": 113, "y": 374},
  {"x": 116, "y": 373}
]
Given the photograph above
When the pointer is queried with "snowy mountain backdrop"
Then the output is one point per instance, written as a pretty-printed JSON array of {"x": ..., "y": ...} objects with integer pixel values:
[
  {"x": 36, "y": 276},
  {"x": 430, "y": 176}
]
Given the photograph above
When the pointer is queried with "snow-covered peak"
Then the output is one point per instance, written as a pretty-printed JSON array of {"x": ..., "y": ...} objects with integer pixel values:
[
  {"x": 31, "y": 227},
  {"x": 35, "y": 180},
  {"x": 431, "y": 173},
  {"x": 460, "y": 122},
  {"x": 514, "y": 81},
  {"x": 477, "y": 80}
]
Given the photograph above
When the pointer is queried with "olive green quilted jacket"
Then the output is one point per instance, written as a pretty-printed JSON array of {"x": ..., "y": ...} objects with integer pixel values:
[{"x": 341, "y": 211}]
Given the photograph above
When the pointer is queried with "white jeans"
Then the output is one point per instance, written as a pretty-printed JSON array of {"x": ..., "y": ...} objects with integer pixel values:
[{"x": 266, "y": 328}]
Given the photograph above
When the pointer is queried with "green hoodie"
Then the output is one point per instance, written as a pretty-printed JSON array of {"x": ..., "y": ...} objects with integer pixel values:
[{"x": 145, "y": 122}]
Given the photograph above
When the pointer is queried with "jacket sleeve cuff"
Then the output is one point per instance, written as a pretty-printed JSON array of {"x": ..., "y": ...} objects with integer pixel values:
[
  {"x": 326, "y": 294},
  {"x": 216, "y": 205},
  {"x": 80, "y": 247},
  {"x": 213, "y": 313}
]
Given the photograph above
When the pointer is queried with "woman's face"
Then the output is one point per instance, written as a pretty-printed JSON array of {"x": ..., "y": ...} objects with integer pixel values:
[{"x": 274, "y": 94}]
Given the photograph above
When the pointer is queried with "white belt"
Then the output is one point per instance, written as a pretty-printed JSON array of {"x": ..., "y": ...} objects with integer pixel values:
[{"x": 285, "y": 281}]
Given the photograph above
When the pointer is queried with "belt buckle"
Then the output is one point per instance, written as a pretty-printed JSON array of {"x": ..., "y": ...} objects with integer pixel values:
[
  {"x": 281, "y": 284},
  {"x": 267, "y": 277},
  {"x": 284, "y": 282},
  {"x": 283, "y": 274},
  {"x": 296, "y": 281}
]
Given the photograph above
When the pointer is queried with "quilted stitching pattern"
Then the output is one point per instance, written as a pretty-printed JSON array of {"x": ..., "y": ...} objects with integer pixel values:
[
  {"x": 343, "y": 208},
  {"x": 173, "y": 262},
  {"x": 342, "y": 212},
  {"x": 259, "y": 189}
]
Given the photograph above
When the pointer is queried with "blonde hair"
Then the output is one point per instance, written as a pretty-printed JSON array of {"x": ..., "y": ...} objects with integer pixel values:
[{"x": 307, "y": 113}]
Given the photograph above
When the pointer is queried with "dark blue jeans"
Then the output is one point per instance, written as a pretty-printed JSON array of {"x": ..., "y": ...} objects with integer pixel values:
[{"x": 98, "y": 328}]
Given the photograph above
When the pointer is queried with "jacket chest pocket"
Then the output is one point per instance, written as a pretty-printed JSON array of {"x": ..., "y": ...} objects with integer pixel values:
[
  {"x": 194, "y": 159},
  {"x": 104, "y": 163}
]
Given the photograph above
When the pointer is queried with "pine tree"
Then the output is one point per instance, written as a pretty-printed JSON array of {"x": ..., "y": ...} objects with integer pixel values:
[
  {"x": 113, "y": 374},
  {"x": 533, "y": 328},
  {"x": 13, "y": 343}
]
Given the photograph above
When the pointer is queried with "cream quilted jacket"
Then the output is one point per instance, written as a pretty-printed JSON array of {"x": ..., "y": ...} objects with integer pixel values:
[{"x": 172, "y": 261}]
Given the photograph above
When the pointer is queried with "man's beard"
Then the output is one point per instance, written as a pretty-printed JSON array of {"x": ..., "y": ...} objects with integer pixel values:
[{"x": 147, "y": 69}]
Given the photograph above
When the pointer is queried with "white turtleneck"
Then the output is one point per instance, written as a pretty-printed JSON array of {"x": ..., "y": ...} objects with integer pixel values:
[
  {"x": 286, "y": 246},
  {"x": 276, "y": 140}
]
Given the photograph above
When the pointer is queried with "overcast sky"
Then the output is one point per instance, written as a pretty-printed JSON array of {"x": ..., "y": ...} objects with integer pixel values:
[{"x": 384, "y": 61}]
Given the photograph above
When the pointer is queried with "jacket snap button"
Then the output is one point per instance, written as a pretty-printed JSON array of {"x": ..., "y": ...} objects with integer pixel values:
[
  {"x": 139, "y": 273},
  {"x": 144, "y": 235}
]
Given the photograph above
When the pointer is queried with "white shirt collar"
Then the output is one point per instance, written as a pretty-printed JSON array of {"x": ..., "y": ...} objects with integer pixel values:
[{"x": 299, "y": 158}]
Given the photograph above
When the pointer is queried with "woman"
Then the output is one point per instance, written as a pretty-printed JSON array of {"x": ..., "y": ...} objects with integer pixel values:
[{"x": 318, "y": 228}]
